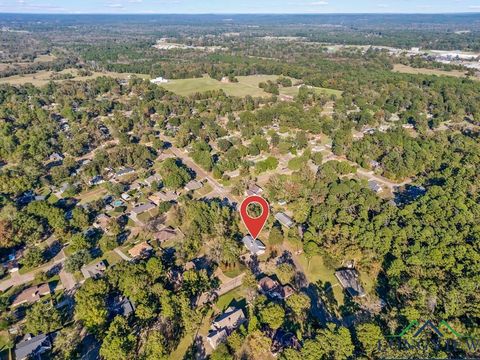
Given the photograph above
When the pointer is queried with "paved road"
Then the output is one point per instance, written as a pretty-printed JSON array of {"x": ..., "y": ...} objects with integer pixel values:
[
  {"x": 17, "y": 279},
  {"x": 187, "y": 160},
  {"x": 367, "y": 173}
]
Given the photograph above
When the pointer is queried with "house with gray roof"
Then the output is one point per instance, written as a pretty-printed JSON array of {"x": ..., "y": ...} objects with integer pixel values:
[
  {"x": 32, "y": 347},
  {"x": 151, "y": 179},
  {"x": 255, "y": 246},
  {"x": 350, "y": 281},
  {"x": 124, "y": 171},
  {"x": 95, "y": 270},
  {"x": 254, "y": 189},
  {"x": 224, "y": 325},
  {"x": 121, "y": 305},
  {"x": 140, "y": 209},
  {"x": 284, "y": 219},
  {"x": 374, "y": 186},
  {"x": 193, "y": 185}
]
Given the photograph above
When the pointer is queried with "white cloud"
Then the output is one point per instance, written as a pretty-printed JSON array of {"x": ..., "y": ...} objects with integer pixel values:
[
  {"x": 319, "y": 3},
  {"x": 115, "y": 6},
  {"x": 476, "y": 7}
]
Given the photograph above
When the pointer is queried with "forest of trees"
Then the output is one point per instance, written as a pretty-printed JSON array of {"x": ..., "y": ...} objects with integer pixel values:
[{"x": 420, "y": 254}]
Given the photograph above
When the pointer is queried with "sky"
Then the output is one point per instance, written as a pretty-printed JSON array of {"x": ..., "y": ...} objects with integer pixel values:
[{"x": 238, "y": 6}]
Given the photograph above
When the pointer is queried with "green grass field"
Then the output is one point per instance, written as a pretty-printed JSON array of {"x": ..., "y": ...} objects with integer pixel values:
[
  {"x": 236, "y": 295},
  {"x": 41, "y": 78},
  {"x": 247, "y": 85},
  {"x": 411, "y": 70},
  {"x": 317, "y": 271}
]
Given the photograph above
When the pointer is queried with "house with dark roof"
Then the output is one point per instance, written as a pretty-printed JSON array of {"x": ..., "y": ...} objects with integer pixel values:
[
  {"x": 273, "y": 289},
  {"x": 121, "y": 305},
  {"x": 282, "y": 340},
  {"x": 224, "y": 325},
  {"x": 96, "y": 180},
  {"x": 32, "y": 347},
  {"x": 124, "y": 171},
  {"x": 95, "y": 270},
  {"x": 255, "y": 246},
  {"x": 350, "y": 281}
]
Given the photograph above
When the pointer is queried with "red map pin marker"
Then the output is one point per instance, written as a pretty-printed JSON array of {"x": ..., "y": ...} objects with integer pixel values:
[{"x": 254, "y": 225}]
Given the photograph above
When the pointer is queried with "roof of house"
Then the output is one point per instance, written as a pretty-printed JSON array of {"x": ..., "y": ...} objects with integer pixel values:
[
  {"x": 102, "y": 221},
  {"x": 125, "y": 171},
  {"x": 255, "y": 246},
  {"x": 32, "y": 345},
  {"x": 140, "y": 209},
  {"x": 274, "y": 289},
  {"x": 31, "y": 294},
  {"x": 268, "y": 284},
  {"x": 284, "y": 219},
  {"x": 283, "y": 339},
  {"x": 215, "y": 338},
  {"x": 167, "y": 196},
  {"x": 122, "y": 306},
  {"x": 151, "y": 179},
  {"x": 165, "y": 234},
  {"x": 254, "y": 189},
  {"x": 135, "y": 185},
  {"x": 375, "y": 186},
  {"x": 230, "y": 319},
  {"x": 140, "y": 249},
  {"x": 287, "y": 291},
  {"x": 96, "y": 180},
  {"x": 56, "y": 157},
  {"x": 94, "y": 270},
  {"x": 349, "y": 280},
  {"x": 193, "y": 185}
]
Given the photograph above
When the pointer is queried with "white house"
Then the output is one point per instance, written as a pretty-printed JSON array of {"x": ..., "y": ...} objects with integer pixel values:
[{"x": 159, "y": 80}]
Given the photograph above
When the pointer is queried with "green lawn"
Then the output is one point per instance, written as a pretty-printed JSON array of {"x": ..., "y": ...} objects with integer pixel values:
[
  {"x": 233, "y": 271},
  {"x": 182, "y": 347},
  {"x": 112, "y": 258},
  {"x": 43, "y": 77},
  {"x": 317, "y": 271},
  {"x": 235, "y": 295},
  {"x": 247, "y": 85},
  {"x": 207, "y": 188},
  {"x": 92, "y": 195},
  {"x": 187, "y": 340}
]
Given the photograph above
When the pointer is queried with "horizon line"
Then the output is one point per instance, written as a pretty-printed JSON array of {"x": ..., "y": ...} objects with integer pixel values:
[{"x": 242, "y": 13}]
